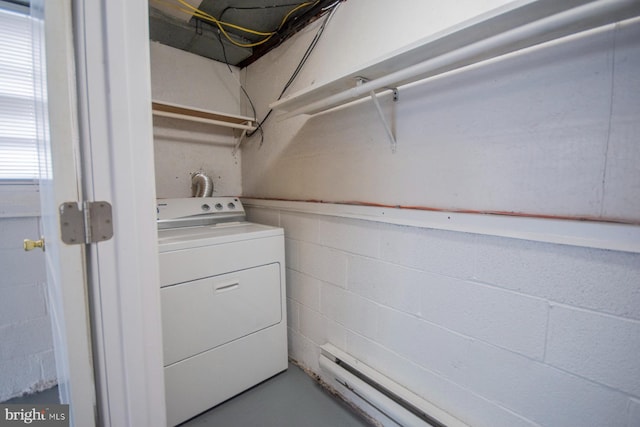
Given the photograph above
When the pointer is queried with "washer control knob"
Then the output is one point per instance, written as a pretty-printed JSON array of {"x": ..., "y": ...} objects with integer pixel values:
[
  {"x": 231, "y": 205},
  {"x": 218, "y": 206}
]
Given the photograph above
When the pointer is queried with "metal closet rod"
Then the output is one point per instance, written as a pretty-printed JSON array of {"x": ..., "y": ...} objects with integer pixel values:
[{"x": 578, "y": 18}]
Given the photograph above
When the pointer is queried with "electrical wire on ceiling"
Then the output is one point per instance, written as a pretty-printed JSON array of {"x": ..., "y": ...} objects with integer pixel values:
[
  {"x": 271, "y": 6},
  {"x": 198, "y": 13},
  {"x": 328, "y": 11},
  {"x": 253, "y": 108}
]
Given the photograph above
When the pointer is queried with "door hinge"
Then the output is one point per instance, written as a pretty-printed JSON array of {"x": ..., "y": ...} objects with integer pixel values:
[{"x": 92, "y": 224}]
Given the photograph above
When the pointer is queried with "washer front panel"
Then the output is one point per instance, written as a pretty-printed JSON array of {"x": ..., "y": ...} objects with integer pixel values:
[
  {"x": 185, "y": 265},
  {"x": 206, "y": 313},
  {"x": 223, "y": 312}
]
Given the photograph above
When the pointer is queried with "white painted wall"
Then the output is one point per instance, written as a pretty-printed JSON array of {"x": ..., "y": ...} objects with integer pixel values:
[
  {"x": 27, "y": 362},
  {"x": 498, "y": 331},
  {"x": 183, "y": 147},
  {"x": 183, "y": 78},
  {"x": 549, "y": 131},
  {"x": 364, "y": 30}
]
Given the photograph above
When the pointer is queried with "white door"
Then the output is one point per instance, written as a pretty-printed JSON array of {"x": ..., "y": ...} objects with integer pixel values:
[
  {"x": 59, "y": 182},
  {"x": 106, "y": 295}
]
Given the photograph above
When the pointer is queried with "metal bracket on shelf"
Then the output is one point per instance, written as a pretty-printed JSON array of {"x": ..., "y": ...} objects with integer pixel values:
[
  {"x": 396, "y": 94},
  {"x": 240, "y": 141},
  {"x": 374, "y": 97},
  {"x": 390, "y": 135}
]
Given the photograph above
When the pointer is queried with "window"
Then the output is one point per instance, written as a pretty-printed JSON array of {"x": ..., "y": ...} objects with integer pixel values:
[{"x": 18, "y": 130}]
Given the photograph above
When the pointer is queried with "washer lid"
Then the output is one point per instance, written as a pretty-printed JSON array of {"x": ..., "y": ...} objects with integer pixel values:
[{"x": 193, "y": 237}]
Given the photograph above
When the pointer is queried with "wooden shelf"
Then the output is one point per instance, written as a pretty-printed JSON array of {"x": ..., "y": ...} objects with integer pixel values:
[
  {"x": 164, "y": 109},
  {"x": 517, "y": 25}
]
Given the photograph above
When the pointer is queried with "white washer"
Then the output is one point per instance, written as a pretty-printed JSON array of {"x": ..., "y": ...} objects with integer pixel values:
[{"x": 223, "y": 302}]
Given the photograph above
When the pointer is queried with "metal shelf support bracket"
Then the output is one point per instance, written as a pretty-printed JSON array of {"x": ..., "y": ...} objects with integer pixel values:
[
  {"x": 387, "y": 128},
  {"x": 374, "y": 98},
  {"x": 240, "y": 141}
]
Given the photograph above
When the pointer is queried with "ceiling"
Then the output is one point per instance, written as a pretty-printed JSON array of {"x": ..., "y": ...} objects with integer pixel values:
[{"x": 218, "y": 29}]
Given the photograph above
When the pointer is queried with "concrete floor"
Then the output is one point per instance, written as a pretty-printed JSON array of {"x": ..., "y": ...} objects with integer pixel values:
[
  {"x": 40, "y": 398},
  {"x": 290, "y": 399}
]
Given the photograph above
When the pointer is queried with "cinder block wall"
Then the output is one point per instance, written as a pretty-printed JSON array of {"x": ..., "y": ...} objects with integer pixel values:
[
  {"x": 500, "y": 332},
  {"x": 27, "y": 361}
]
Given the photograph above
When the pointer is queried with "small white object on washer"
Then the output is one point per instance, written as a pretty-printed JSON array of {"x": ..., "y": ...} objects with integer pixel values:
[{"x": 223, "y": 302}]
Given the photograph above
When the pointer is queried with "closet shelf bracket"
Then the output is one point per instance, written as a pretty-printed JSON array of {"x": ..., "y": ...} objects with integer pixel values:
[
  {"x": 387, "y": 128},
  {"x": 240, "y": 141},
  {"x": 374, "y": 97}
]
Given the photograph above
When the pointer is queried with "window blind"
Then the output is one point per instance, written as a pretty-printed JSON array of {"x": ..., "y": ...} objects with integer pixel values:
[{"x": 18, "y": 131}]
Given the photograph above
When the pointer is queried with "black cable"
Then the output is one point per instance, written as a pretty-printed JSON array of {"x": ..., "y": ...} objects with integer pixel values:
[
  {"x": 258, "y": 8},
  {"x": 307, "y": 53},
  {"x": 295, "y": 73},
  {"x": 255, "y": 114},
  {"x": 275, "y": 6}
]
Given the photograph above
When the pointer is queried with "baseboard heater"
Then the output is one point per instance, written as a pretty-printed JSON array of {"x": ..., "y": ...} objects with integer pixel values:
[{"x": 390, "y": 398}]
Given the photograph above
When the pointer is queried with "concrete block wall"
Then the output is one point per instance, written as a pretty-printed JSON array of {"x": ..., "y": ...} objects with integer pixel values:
[
  {"x": 27, "y": 362},
  {"x": 184, "y": 147},
  {"x": 550, "y": 130},
  {"x": 497, "y": 331}
]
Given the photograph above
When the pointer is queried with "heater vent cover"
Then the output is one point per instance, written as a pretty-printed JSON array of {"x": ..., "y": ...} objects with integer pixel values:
[{"x": 382, "y": 393}]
